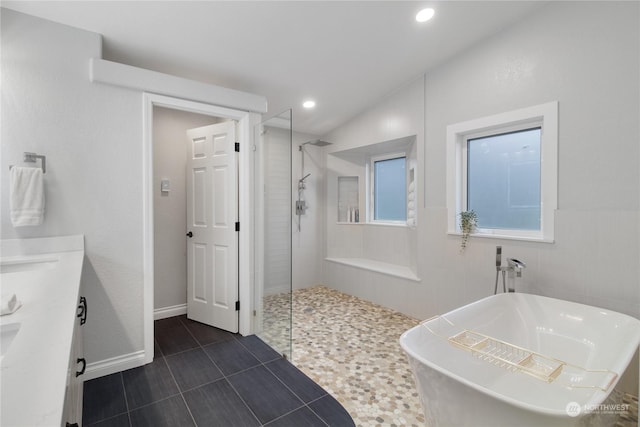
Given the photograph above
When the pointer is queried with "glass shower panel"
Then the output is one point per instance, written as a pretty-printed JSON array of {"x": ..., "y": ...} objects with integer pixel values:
[{"x": 273, "y": 219}]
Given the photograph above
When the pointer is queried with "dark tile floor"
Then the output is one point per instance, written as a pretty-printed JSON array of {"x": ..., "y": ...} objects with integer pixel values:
[{"x": 208, "y": 377}]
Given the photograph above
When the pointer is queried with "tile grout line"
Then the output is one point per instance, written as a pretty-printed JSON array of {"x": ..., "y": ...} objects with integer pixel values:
[
  {"x": 263, "y": 364},
  {"x": 305, "y": 404},
  {"x": 180, "y": 391},
  {"x": 240, "y": 397},
  {"x": 124, "y": 394},
  {"x": 238, "y": 339},
  {"x": 224, "y": 377}
]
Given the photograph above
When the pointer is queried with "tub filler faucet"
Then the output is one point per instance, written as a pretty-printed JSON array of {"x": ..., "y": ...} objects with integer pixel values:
[{"x": 512, "y": 270}]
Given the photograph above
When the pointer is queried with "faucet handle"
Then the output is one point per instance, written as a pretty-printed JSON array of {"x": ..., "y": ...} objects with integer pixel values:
[{"x": 516, "y": 263}]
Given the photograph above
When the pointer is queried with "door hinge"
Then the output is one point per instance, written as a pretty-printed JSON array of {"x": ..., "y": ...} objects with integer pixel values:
[
  {"x": 237, "y": 147},
  {"x": 237, "y": 226},
  {"x": 237, "y": 305}
]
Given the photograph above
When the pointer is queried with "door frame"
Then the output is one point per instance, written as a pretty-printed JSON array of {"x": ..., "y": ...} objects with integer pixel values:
[{"x": 246, "y": 122}]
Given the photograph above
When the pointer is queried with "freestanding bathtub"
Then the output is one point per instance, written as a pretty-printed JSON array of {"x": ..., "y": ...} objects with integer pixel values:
[{"x": 521, "y": 360}]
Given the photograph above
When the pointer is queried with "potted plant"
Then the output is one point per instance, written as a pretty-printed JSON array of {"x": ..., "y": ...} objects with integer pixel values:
[{"x": 468, "y": 220}]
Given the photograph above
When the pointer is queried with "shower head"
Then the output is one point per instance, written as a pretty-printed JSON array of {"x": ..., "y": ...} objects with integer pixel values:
[
  {"x": 316, "y": 142},
  {"x": 305, "y": 177}
]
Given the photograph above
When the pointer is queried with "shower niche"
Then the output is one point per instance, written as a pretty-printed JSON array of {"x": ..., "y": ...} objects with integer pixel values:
[{"x": 348, "y": 200}]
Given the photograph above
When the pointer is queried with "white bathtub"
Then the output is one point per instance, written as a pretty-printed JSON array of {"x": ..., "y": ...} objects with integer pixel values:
[{"x": 458, "y": 388}]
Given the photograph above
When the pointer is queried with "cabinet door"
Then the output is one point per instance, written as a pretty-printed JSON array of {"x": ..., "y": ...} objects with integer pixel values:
[
  {"x": 79, "y": 380},
  {"x": 69, "y": 414},
  {"x": 72, "y": 414}
]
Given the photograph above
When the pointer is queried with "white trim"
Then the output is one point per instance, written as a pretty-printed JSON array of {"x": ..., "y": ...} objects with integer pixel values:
[
  {"x": 246, "y": 121},
  {"x": 113, "y": 365},
  {"x": 171, "y": 311},
  {"x": 140, "y": 79},
  {"x": 504, "y": 237},
  {"x": 547, "y": 115}
]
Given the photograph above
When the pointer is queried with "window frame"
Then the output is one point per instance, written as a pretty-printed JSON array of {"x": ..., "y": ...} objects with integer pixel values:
[
  {"x": 371, "y": 187},
  {"x": 544, "y": 116}
]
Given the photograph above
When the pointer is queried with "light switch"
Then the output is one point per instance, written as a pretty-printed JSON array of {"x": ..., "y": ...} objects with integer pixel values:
[{"x": 165, "y": 185}]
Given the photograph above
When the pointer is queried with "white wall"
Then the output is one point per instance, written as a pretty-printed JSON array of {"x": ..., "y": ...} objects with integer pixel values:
[
  {"x": 308, "y": 242},
  {"x": 91, "y": 136},
  {"x": 397, "y": 116},
  {"x": 292, "y": 260},
  {"x": 170, "y": 214},
  {"x": 584, "y": 55},
  {"x": 276, "y": 144}
]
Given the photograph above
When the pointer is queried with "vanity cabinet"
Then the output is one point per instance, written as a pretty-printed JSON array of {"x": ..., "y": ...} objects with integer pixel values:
[
  {"x": 72, "y": 415},
  {"x": 38, "y": 381}
]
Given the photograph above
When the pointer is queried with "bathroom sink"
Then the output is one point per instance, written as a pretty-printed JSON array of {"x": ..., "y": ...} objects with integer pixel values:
[
  {"x": 7, "y": 333},
  {"x": 26, "y": 264}
]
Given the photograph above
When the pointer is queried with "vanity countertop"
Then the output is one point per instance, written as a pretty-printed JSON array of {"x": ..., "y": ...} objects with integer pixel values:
[{"x": 45, "y": 276}]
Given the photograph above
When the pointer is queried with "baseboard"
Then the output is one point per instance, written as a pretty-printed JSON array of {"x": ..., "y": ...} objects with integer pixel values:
[
  {"x": 114, "y": 364},
  {"x": 173, "y": 310}
]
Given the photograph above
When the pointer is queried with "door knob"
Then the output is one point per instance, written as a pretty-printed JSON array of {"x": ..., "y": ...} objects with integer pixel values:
[{"x": 189, "y": 234}]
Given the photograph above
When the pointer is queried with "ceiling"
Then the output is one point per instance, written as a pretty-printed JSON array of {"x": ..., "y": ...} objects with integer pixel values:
[{"x": 346, "y": 55}]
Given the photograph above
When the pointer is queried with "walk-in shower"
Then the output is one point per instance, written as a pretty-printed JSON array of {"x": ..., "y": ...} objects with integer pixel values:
[{"x": 301, "y": 205}]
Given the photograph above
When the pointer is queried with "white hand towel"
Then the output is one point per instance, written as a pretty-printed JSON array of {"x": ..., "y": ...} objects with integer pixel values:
[
  {"x": 10, "y": 304},
  {"x": 26, "y": 186}
]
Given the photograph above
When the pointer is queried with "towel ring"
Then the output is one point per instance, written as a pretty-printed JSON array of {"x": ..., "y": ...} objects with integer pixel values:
[{"x": 32, "y": 158}]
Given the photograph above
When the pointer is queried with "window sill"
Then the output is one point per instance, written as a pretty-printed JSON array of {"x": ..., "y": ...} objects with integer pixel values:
[
  {"x": 377, "y": 224},
  {"x": 505, "y": 237},
  {"x": 394, "y": 270}
]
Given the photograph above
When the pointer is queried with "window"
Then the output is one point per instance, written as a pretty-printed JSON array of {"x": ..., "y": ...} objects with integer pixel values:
[
  {"x": 503, "y": 179},
  {"x": 384, "y": 187},
  {"x": 389, "y": 188},
  {"x": 504, "y": 168}
]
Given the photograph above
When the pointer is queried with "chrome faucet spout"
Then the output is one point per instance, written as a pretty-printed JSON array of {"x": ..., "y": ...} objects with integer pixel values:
[{"x": 512, "y": 270}]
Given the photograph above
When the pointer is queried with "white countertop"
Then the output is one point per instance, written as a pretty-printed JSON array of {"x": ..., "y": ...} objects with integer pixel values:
[{"x": 33, "y": 374}]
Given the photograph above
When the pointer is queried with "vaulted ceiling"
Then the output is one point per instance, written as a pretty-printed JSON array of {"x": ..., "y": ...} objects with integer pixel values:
[{"x": 346, "y": 55}]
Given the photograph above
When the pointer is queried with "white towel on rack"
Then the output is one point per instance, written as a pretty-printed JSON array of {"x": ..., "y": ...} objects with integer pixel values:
[{"x": 26, "y": 200}]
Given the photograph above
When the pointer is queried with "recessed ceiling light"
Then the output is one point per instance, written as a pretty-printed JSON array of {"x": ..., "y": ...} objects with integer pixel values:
[
  {"x": 425, "y": 14},
  {"x": 309, "y": 104}
]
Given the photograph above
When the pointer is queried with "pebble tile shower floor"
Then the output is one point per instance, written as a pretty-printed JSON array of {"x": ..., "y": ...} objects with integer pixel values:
[{"x": 351, "y": 348}]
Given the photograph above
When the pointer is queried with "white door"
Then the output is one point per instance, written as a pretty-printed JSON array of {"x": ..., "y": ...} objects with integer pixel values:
[{"x": 212, "y": 239}]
